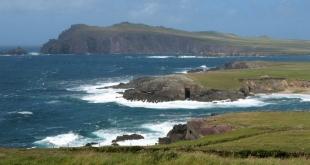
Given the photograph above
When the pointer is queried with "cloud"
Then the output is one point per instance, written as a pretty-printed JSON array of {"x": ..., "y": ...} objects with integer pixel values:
[
  {"x": 147, "y": 9},
  {"x": 163, "y": 11}
]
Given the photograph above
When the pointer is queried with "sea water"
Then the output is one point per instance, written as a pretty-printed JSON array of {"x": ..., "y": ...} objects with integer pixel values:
[{"x": 64, "y": 100}]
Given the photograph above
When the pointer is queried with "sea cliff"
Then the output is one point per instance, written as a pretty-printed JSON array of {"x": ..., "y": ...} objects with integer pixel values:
[{"x": 129, "y": 38}]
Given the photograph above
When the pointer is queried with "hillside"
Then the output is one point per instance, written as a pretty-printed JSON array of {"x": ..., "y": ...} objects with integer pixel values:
[
  {"x": 256, "y": 138},
  {"x": 128, "y": 38}
]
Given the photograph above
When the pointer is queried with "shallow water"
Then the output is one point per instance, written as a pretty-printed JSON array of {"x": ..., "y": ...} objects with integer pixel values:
[{"x": 53, "y": 101}]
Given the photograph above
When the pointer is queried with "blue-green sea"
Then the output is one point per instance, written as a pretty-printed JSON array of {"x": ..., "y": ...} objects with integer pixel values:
[{"x": 59, "y": 100}]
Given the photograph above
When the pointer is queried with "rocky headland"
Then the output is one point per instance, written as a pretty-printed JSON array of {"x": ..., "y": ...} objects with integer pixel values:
[{"x": 129, "y": 38}]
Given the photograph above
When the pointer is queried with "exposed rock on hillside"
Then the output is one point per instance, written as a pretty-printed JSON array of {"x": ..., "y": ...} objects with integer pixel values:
[
  {"x": 176, "y": 134},
  {"x": 245, "y": 65},
  {"x": 194, "y": 129},
  {"x": 270, "y": 84}
]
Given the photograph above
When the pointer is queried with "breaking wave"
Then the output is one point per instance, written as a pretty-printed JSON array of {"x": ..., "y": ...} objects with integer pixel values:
[
  {"x": 100, "y": 93},
  {"x": 150, "y": 131},
  {"x": 22, "y": 112},
  {"x": 63, "y": 140}
]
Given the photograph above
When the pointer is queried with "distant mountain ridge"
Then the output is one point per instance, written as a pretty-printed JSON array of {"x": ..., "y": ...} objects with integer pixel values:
[{"x": 129, "y": 38}]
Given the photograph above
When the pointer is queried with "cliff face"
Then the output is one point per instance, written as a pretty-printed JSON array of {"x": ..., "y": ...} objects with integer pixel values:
[
  {"x": 81, "y": 39},
  {"x": 143, "y": 39}
]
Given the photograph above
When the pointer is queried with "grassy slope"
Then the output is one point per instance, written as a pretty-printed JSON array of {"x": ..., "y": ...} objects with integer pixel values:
[
  {"x": 264, "y": 45},
  {"x": 229, "y": 79},
  {"x": 287, "y": 132}
]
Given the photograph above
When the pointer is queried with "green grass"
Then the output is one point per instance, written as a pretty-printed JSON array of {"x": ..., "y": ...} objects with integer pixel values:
[
  {"x": 230, "y": 79},
  {"x": 255, "y": 127},
  {"x": 89, "y": 157},
  {"x": 257, "y": 138}
]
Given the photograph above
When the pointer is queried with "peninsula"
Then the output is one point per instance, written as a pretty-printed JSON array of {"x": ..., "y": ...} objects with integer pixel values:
[{"x": 129, "y": 38}]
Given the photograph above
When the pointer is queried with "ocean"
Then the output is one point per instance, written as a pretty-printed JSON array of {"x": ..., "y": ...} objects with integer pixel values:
[{"x": 51, "y": 101}]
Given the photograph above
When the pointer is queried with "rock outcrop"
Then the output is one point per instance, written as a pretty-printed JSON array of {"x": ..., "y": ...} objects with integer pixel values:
[
  {"x": 194, "y": 129},
  {"x": 245, "y": 65},
  {"x": 176, "y": 134},
  {"x": 172, "y": 88},
  {"x": 127, "y": 137},
  {"x": 270, "y": 85},
  {"x": 198, "y": 128}
]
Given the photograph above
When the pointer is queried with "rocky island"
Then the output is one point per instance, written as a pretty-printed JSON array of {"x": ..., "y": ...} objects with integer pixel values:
[
  {"x": 129, "y": 38},
  {"x": 14, "y": 52}
]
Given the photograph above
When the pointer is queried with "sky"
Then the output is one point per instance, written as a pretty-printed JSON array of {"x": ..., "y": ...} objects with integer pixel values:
[{"x": 33, "y": 22}]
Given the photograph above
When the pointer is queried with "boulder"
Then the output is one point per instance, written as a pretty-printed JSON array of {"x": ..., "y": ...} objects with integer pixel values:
[
  {"x": 91, "y": 144},
  {"x": 194, "y": 129},
  {"x": 197, "y": 70},
  {"x": 176, "y": 134},
  {"x": 198, "y": 128}
]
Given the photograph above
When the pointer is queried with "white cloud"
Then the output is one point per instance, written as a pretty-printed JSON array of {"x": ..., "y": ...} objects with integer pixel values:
[
  {"x": 147, "y": 9},
  {"x": 161, "y": 11}
]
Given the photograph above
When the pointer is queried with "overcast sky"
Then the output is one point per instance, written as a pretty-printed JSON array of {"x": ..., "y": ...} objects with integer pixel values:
[{"x": 33, "y": 22}]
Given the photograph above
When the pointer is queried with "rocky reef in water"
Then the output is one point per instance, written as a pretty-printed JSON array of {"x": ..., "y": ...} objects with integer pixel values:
[{"x": 14, "y": 52}]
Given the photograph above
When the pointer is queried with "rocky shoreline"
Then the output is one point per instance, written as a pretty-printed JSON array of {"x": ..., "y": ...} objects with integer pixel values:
[{"x": 180, "y": 87}]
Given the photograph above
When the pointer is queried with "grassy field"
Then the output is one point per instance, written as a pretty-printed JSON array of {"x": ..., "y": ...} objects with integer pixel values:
[
  {"x": 257, "y": 138},
  {"x": 90, "y": 157},
  {"x": 229, "y": 79}
]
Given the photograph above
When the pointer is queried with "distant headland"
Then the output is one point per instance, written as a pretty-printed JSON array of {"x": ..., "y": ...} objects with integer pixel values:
[{"x": 129, "y": 38}]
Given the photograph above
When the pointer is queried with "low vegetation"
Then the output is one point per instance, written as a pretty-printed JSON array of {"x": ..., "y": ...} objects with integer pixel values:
[{"x": 230, "y": 79}]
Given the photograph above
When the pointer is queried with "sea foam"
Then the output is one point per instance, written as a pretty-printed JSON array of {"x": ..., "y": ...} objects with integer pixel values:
[
  {"x": 63, "y": 140},
  {"x": 25, "y": 113},
  {"x": 301, "y": 97},
  {"x": 21, "y": 112},
  {"x": 98, "y": 94}
]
